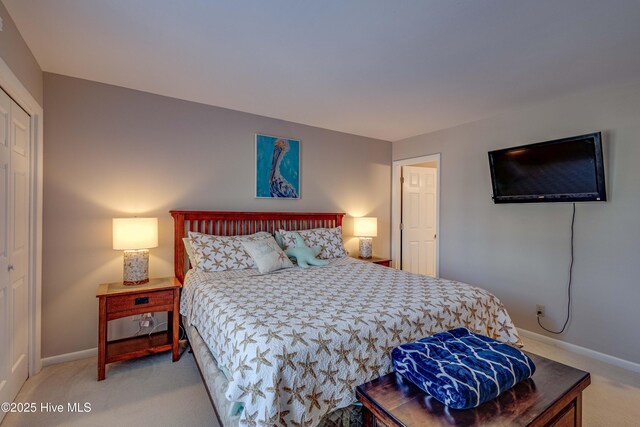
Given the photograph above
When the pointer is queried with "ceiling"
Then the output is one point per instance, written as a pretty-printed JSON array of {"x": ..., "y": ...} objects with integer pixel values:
[{"x": 385, "y": 69}]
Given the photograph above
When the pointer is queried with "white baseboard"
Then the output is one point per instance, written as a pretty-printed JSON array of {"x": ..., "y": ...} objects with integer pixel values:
[
  {"x": 602, "y": 357},
  {"x": 68, "y": 357}
]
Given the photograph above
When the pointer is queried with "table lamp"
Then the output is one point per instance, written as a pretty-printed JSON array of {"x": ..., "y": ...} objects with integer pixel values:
[
  {"x": 135, "y": 236},
  {"x": 365, "y": 228}
]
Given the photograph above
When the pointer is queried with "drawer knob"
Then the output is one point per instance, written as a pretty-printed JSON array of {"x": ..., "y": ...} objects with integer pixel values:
[{"x": 142, "y": 300}]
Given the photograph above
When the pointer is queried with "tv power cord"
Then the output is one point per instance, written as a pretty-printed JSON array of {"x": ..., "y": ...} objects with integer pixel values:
[{"x": 573, "y": 221}]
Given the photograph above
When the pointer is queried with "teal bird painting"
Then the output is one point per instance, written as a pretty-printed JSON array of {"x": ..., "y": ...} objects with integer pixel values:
[{"x": 277, "y": 167}]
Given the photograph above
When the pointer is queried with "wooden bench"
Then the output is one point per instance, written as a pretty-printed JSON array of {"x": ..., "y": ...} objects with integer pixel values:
[{"x": 552, "y": 397}]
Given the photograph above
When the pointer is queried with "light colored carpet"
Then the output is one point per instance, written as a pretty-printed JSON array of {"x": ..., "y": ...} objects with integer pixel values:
[
  {"x": 150, "y": 391},
  {"x": 155, "y": 392},
  {"x": 612, "y": 399}
]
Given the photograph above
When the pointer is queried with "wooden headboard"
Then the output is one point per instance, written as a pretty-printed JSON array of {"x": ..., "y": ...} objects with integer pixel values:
[{"x": 238, "y": 224}]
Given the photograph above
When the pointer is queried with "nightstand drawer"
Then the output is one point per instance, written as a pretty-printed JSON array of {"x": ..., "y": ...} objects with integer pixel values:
[{"x": 140, "y": 302}]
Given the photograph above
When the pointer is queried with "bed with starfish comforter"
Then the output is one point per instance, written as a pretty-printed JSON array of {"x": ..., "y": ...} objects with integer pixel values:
[{"x": 295, "y": 343}]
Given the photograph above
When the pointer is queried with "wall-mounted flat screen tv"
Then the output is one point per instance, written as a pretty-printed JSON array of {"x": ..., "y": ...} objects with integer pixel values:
[{"x": 563, "y": 170}]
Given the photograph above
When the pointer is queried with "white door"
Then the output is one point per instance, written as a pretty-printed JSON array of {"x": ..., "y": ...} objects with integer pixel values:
[
  {"x": 419, "y": 191},
  {"x": 14, "y": 235}
]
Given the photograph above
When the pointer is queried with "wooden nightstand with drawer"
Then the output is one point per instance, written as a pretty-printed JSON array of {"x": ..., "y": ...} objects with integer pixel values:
[
  {"x": 117, "y": 300},
  {"x": 378, "y": 260}
]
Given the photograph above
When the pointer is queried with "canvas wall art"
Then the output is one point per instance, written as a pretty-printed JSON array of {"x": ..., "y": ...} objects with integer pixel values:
[{"x": 277, "y": 167}]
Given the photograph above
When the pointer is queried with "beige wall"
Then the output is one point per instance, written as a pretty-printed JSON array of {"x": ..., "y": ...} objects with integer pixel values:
[
  {"x": 521, "y": 252},
  {"x": 111, "y": 152},
  {"x": 15, "y": 52}
]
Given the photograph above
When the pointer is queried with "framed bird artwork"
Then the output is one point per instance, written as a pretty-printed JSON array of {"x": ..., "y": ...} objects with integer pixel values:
[{"x": 277, "y": 167}]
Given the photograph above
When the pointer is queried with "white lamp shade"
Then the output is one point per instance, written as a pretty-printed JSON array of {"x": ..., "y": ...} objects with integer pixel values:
[
  {"x": 135, "y": 233},
  {"x": 366, "y": 226}
]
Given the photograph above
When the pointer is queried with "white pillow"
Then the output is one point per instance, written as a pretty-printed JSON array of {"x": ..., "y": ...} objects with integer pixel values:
[
  {"x": 189, "y": 250},
  {"x": 329, "y": 240},
  {"x": 222, "y": 253},
  {"x": 267, "y": 255}
]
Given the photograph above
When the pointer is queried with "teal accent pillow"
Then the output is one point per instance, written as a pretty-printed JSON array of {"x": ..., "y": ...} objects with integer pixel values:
[{"x": 304, "y": 255}]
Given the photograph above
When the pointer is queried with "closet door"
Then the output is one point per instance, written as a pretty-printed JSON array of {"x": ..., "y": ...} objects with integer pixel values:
[
  {"x": 5, "y": 315},
  {"x": 14, "y": 244}
]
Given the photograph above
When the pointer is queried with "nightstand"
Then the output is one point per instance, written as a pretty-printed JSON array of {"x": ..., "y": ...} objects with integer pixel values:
[
  {"x": 117, "y": 300},
  {"x": 377, "y": 260}
]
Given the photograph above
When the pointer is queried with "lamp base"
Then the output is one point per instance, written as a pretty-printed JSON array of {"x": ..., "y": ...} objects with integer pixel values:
[
  {"x": 365, "y": 247},
  {"x": 136, "y": 267}
]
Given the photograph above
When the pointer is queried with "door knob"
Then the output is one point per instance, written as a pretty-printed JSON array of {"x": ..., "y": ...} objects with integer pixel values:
[{"x": 10, "y": 268}]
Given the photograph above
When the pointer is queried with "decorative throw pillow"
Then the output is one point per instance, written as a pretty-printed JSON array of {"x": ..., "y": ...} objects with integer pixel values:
[
  {"x": 305, "y": 255},
  {"x": 222, "y": 253},
  {"x": 329, "y": 240},
  {"x": 267, "y": 255}
]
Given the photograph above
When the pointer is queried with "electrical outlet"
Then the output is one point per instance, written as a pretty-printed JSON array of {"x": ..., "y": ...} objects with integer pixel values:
[
  {"x": 146, "y": 320},
  {"x": 540, "y": 310},
  {"x": 140, "y": 317}
]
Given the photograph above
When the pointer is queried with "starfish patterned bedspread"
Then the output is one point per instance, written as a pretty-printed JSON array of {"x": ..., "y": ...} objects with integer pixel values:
[{"x": 298, "y": 341}]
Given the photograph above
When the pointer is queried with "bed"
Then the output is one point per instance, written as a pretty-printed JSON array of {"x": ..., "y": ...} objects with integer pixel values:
[{"x": 289, "y": 347}]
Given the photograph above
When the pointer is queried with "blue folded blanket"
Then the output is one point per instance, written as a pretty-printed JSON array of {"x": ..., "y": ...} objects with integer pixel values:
[{"x": 460, "y": 368}]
